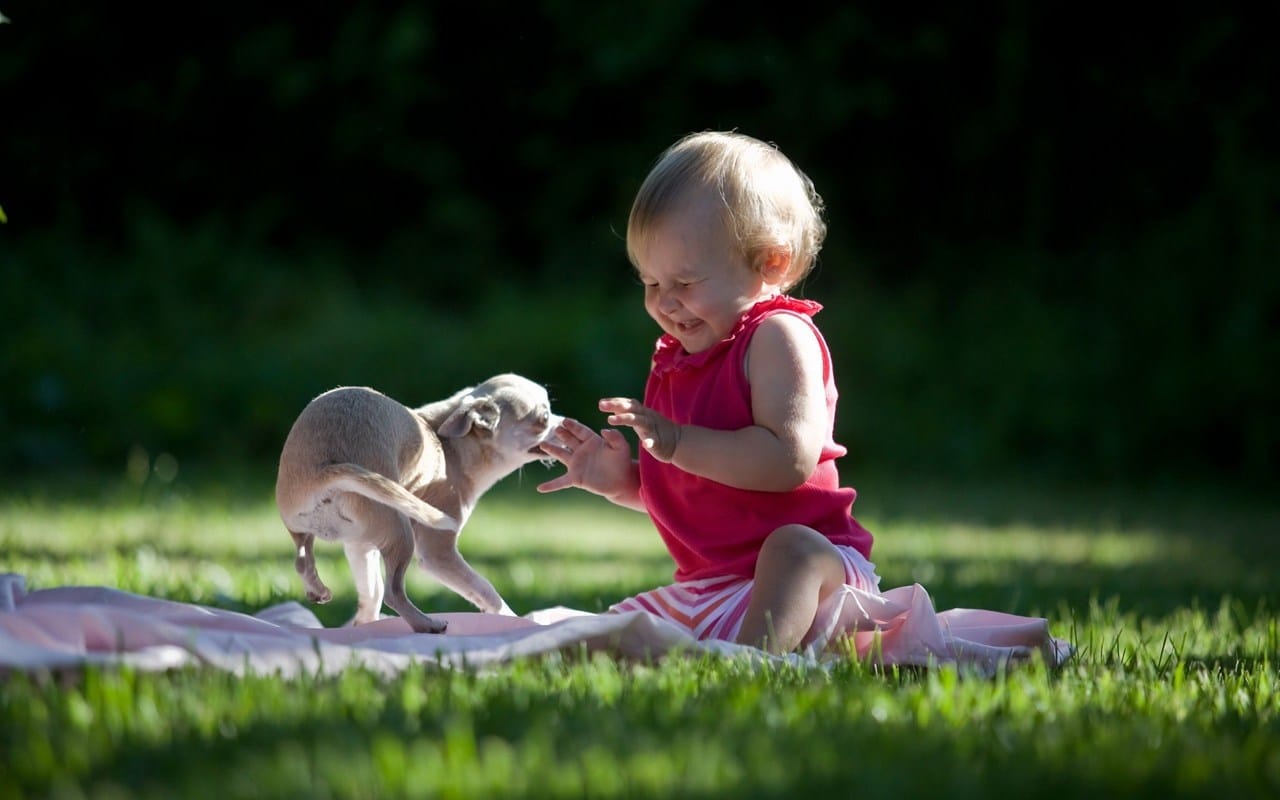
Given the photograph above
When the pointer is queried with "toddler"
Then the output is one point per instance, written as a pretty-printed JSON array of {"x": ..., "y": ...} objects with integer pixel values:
[{"x": 736, "y": 465}]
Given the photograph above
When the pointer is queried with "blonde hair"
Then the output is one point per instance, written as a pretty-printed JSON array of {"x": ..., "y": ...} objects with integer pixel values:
[{"x": 769, "y": 204}]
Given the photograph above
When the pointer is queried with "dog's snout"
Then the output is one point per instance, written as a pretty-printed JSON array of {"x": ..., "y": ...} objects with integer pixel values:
[
  {"x": 550, "y": 421},
  {"x": 544, "y": 428},
  {"x": 547, "y": 422}
]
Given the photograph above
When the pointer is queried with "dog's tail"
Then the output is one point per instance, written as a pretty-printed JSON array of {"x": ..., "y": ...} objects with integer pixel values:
[{"x": 381, "y": 489}]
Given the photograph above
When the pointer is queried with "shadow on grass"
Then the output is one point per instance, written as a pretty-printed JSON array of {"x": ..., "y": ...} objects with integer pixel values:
[
  {"x": 1151, "y": 588},
  {"x": 1210, "y": 544},
  {"x": 1156, "y": 587},
  {"x": 1149, "y": 591},
  {"x": 1178, "y": 510},
  {"x": 549, "y": 736}
]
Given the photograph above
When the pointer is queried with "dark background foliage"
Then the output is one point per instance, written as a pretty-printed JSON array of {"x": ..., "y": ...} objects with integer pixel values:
[{"x": 1054, "y": 229}]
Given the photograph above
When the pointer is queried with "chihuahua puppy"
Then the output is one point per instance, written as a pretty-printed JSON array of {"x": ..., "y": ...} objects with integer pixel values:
[{"x": 389, "y": 481}]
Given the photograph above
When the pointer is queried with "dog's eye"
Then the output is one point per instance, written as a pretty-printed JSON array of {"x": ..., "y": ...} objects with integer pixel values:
[{"x": 544, "y": 416}]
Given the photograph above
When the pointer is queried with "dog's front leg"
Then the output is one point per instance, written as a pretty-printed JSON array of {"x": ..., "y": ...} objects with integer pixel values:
[
  {"x": 366, "y": 571},
  {"x": 305, "y": 563},
  {"x": 438, "y": 555}
]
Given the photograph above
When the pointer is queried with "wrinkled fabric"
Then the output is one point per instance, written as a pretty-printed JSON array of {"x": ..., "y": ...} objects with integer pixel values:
[{"x": 75, "y": 626}]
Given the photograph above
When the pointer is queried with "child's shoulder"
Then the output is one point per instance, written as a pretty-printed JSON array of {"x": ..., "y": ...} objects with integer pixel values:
[
  {"x": 786, "y": 329},
  {"x": 785, "y": 303},
  {"x": 787, "y": 316},
  {"x": 786, "y": 343}
]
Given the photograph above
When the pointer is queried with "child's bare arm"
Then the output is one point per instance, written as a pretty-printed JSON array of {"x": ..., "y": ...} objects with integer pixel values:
[{"x": 780, "y": 451}]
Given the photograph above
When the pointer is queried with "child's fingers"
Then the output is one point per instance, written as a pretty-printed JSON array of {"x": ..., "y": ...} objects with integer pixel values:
[
  {"x": 619, "y": 404},
  {"x": 556, "y": 484},
  {"x": 644, "y": 425},
  {"x": 614, "y": 439},
  {"x": 558, "y": 452},
  {"x": 630, "y": 420},
  {"x": 572, "y": 432}
]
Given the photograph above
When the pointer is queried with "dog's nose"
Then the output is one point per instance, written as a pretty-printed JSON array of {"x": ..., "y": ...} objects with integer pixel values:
[{"x": 553, "y": 424}]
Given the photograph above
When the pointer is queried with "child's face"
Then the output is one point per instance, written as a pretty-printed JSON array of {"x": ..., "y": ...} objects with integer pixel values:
[{"x": 696, "y": 282}]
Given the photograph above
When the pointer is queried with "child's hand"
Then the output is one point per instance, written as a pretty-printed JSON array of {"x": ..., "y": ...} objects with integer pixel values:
[
  {"x": 599, "y": 463},
  {"x": 658, "y": 434}
]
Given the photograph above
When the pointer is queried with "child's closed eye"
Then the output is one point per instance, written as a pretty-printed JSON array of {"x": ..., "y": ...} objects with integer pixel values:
[{"x": 681, "y": 283}]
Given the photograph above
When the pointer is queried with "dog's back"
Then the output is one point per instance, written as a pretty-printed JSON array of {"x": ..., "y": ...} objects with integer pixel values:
[
  {"x": 358, "y": 440},
  {"x": 350, "y": 424}
]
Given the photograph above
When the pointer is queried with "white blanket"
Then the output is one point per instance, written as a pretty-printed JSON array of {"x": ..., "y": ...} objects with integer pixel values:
[{"x": 68, "y": 627}]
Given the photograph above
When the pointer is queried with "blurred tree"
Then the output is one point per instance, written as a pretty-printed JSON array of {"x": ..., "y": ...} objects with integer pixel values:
[{"x": 1057, "y": 227}]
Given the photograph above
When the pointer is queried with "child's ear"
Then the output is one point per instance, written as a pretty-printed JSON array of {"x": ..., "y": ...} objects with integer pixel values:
[{"x": 775, "y": 265}]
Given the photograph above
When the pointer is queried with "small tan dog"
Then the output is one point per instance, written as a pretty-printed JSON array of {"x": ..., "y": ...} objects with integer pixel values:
[{"x": 384, "y": 479}]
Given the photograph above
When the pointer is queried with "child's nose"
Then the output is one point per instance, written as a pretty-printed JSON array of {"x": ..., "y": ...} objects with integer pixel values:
[{"x": 667, "y": 301}]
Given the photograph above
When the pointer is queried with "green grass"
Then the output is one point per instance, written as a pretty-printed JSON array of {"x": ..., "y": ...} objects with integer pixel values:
[{"x": 1171, "y": 596}]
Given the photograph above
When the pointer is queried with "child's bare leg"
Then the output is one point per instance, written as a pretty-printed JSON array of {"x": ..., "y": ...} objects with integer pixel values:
[{"x": 797, "y": 569}]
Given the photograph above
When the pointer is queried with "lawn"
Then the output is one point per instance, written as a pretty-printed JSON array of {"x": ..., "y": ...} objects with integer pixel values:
[{"x": 1171, "y": 595}]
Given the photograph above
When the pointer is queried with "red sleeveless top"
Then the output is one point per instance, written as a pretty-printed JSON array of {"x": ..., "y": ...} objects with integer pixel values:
[{"x": 711, "y": 529}]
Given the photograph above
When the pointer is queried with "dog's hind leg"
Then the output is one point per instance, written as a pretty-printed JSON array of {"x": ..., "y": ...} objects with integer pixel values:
[
  {"x": 438, "y": 555},
  {"x": 397, "y": 552},
  {"x": 305, "y": 563},
  {"x": 366, "y": 571}
]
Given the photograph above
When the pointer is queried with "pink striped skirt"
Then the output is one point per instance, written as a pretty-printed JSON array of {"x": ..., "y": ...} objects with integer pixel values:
[{"x": 713, "y": 608}]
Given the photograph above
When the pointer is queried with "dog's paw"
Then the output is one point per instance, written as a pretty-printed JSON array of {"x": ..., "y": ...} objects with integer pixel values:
[
  {"x": 429, "y": 625},
  {"x": 322, "y": 596}
]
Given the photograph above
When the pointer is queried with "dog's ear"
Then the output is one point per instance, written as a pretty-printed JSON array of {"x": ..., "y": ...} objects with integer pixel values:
[
  {"x": 436, "y": 413},
  {"x": 472, "y": 412},
  {"x": 485, "y": 415}
]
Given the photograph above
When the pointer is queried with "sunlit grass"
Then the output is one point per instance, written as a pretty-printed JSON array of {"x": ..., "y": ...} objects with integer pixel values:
[{"x": 1174, "y": 690}]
